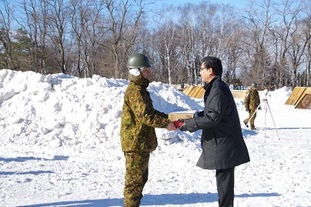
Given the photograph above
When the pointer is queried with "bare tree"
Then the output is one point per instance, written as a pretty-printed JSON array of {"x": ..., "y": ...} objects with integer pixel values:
[
  {"x": 299, "y": 43},
  {"x": 259, "y": 18},
  {"x": 308, "y": 53},
  {"x": 205, "y": 17},
  {"x": 58, "y": 14},
  {"x": 270, "y": 44},
  {"x": 36, "y": 23},
  {"x": 6, "y": 36},
  {"x": 77, "y": 18},
  {"x": 85, "y": 21},
  {"x": 229, "y": 42},
  {"x": 289, "y": 42},
  {"x": 188, "y": 47},
  {"x": 122, "y": 13}
]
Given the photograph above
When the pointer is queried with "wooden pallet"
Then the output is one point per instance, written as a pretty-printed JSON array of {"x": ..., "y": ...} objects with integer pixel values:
[
  {"x": 306, "y": 91},
  {"x": 305, "y": 102},
  {"x": 187, "y": 89},
  {"x": 295, "y": 95},
  {"x": 239, "y": 93},
  {"x": 198, "y": 92},
  {"x": 194, "y": 91}
]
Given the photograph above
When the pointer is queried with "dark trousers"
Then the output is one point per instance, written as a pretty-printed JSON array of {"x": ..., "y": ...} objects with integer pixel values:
[{"x": 225, "y": 187}]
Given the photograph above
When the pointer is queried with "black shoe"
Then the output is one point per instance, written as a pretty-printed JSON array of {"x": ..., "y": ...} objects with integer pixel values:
[
  {"x": 253, "y": 128},
  {"x": 245, "y": 124}
]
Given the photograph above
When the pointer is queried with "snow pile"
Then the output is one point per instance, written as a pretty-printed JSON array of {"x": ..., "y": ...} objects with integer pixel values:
[
  {"x": 59, "y": 110},
  {"x": 60, "y": 146}
]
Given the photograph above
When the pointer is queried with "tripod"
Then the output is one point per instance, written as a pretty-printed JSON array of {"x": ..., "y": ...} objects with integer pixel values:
[{"x": 266, "y": 107}]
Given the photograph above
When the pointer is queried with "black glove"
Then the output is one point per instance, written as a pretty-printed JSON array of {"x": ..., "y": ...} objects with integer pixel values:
[
  {"x": 183, "y": 127},
  {"x": 189, "y": 127}
]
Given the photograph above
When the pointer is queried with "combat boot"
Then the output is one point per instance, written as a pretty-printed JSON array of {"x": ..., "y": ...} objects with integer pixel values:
[{"x": 245, "y": 123}]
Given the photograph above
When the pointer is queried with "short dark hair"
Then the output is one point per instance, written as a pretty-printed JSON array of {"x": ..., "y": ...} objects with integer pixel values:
[{"x": 214, "y": 63}]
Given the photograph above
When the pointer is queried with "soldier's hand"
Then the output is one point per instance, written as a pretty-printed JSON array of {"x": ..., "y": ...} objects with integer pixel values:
[{"x": 171, "y": 127}]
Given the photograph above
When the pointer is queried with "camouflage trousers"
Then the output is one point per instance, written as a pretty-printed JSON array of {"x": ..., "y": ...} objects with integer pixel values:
[
  {"x": 136, "y": 176},
  {"x": 251, "y": 118}
]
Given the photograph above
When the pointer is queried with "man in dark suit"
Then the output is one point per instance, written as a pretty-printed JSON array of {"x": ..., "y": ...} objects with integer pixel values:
[{"x": 223, "y": 146}]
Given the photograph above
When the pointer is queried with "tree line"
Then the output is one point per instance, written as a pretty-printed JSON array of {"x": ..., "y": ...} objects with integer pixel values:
[{"x": 266, "y": 42}]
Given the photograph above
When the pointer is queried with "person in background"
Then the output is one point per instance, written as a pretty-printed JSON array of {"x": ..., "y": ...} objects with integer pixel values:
[
  {"x": 223, "y": 146},
  {"x": 251, "y": 103},
  {"x": 138, "y": 122}
]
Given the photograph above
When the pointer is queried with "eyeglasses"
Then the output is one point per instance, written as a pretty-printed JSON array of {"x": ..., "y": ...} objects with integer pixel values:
[{"x": 201, "y": 69}]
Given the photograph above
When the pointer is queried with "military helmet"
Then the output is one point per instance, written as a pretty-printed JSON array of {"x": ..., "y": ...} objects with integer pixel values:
[
  {"x": 254, "y": 85},
  {"x": 138, "y": 60}
]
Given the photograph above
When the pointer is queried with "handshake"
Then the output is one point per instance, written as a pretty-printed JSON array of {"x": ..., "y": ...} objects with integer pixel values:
[
  {"x": 178, "y": 119},
  {"x": 174, "y": 125},
  {"x": 178, "y": 123}
]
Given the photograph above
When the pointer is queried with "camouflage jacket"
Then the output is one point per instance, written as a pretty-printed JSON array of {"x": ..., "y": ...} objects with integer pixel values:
[
  {"x": 252, "y": 100},
  {"x": 139, "y": 118}
]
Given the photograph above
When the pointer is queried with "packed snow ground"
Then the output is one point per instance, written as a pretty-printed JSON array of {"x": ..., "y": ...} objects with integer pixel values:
[{"x": 60, "y": 146}]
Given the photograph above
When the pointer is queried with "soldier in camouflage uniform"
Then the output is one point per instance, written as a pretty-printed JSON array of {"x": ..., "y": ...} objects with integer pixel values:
[
  {"x": 251, "y": 102},
  {"x": 138, "y": 122}
]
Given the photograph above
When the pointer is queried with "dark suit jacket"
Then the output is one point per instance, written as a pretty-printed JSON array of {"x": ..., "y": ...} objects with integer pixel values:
[{"x": 222, "y": 141}]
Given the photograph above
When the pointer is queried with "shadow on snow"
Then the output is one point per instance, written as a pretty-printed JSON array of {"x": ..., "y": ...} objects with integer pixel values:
[
  {"x": 24, "y": 159},
  {"x": 164, "y": 199},
  {"x": 27, "y": 173}
]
